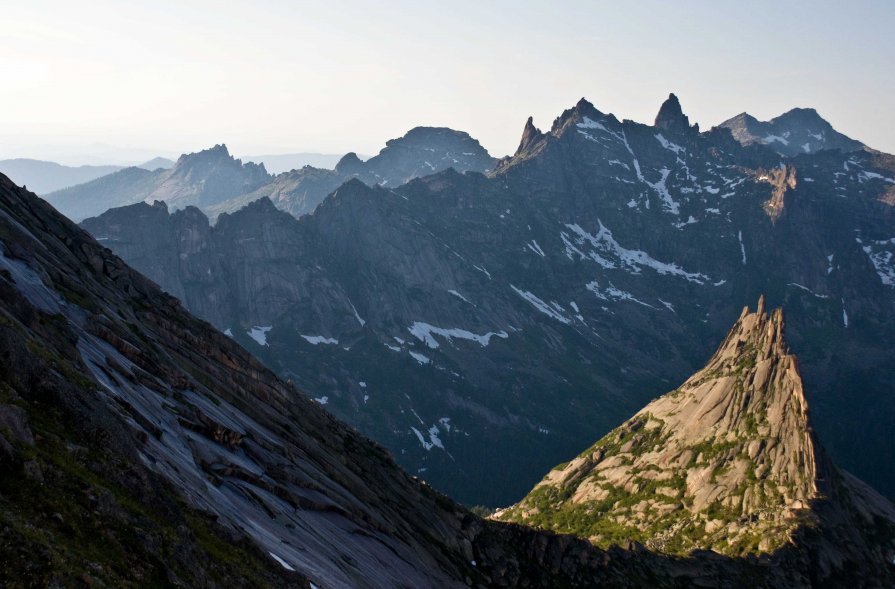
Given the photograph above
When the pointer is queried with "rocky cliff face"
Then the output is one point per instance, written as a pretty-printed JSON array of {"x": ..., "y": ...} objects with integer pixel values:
[
  {"x": 727, "y": 462},
  {"x": 485, "y": 328},
  {"x": 800, "y": 130}
]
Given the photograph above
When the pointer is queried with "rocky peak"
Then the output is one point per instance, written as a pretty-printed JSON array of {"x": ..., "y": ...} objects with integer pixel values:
[
  {"x": 349, "y": 164},
  {"x": 217, "y": 152},
  {"x": 218, "y": 155},
  {"x": 530, "y": 134},
  {"x": 671, "y": 117},
  {"x": 801, "y": 116},
  {"x": 207, "y": 177},
  {"x": 583, "y": 108},
  {"x": 727, "y": 462},
  {"x": 797, "y": 131}
]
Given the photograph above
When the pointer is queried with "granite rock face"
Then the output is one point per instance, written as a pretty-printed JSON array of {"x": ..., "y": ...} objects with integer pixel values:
[
  {"x": 729, "y": 462},
  {"x": 487, "y": 327}
]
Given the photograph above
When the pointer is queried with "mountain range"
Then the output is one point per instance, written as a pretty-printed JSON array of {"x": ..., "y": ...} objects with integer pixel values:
[
  {"x": 216, "y": 182},
  {"x": 144, "y": 448},
  {"x": 485, "y": 327}
]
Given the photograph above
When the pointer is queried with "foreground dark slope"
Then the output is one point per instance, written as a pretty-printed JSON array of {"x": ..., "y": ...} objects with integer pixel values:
[
  {"x": 485, "y": 328},
  {"x": 140, "y": 447}
]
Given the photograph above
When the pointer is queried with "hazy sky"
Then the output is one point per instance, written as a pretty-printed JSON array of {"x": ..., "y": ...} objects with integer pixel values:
[{"x": 271, "y": 76}]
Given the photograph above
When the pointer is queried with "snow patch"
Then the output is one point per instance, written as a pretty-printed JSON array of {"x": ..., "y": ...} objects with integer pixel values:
[
  {"x": 662, "y": 190},
  {"x": 433, "y": 440},
  {"x": 864, "y": 176},
  {"x": 485, "y": 272},
  {"x": 533, "y": 246},
  {"x": 634, "y": 260},
  {"x": 771, "y": 138},
  {"x": 426, "y": 332},
  {"x": 423, "y": 360},
  {"x": 282, "y": 562},
  {"x": 742, "y": 247},
  {"x": 322, "y": 400},
  {"x": 316, "y": 340},
  {"x": 259, "y": 334},
  {"x": 356, "y": 315},
  {"x": 459, "y": 296},
  {"x": 883, "y": 260},
  {"x": 682, "y": 224},
  {"x": 611, "y": 293},
  {"x": 669, "y": 145},
  {"x": 554, "y": 311},
  {"x": 808, "y": 290}
]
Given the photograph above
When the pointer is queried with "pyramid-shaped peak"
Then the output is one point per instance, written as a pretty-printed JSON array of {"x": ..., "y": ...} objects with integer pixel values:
[
  {"x": 671, "y": 117},
  {"x": 795, "y": 132},
  {"x": 700, "y": 461},
  {"x": 798, "y": 119}
]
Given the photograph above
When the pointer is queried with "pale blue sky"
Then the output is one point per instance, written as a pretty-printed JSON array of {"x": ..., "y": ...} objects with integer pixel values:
[{"x": 279, "y": 76}]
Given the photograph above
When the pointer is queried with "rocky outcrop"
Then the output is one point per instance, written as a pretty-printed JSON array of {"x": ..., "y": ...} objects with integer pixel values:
[
  {"x": 671, "y": 116},
  {"x": 783, "y": 179},
  {"x": 530, "y": 134},
  {"x": 727, "y": 462}
]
